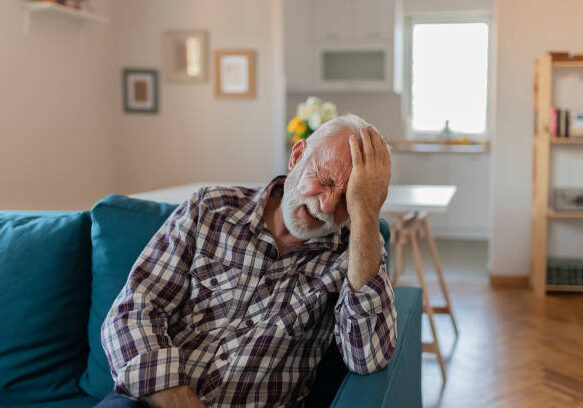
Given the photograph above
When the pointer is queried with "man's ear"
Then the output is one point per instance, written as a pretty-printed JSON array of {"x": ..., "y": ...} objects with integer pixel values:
[{"x": 297, "y": 153}]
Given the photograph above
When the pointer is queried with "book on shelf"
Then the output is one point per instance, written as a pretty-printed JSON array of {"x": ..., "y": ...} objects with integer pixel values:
[
  {"x": 566, "y": 123},
  {"x": 576, "y": 129},
  {"x": 555, "y": 121},
  {"x": 564, "y": 271}
]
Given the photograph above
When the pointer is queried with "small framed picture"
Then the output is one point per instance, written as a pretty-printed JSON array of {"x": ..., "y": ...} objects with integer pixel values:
[
  {"x": 235, "y": 74},
  {"x": 140, "y": 90},
  {"x": 185, "y": 56}
]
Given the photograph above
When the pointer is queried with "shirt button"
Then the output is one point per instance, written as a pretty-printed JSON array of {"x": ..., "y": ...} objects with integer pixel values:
[
  {"x": 223, "y": 356},
  {"x": 249, "y": 323},
  {"x": 214, "y": 281}
]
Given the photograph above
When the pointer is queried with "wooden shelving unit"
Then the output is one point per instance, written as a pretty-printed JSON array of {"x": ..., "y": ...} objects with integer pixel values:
[
  {"x": 543, "y": 142},
  {"x": 564, "y": 288},
  {"x": 567, "y": 64},
  {"x": 566, "y": 215},
  {"x": 565, "y": 141}
]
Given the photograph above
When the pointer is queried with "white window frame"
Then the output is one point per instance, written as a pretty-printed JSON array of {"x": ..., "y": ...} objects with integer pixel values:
[{"x": 478, "y": 16}]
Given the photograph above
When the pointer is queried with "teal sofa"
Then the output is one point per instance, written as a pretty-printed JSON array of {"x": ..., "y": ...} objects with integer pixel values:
[{"x": 59, "y": 274}]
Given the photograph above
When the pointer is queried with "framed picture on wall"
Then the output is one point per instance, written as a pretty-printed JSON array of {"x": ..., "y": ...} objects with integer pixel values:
[
  {"x": 185, "y": 55},
  {"x": 235, "y": 74},
  {"x": 140, "y": 90}
]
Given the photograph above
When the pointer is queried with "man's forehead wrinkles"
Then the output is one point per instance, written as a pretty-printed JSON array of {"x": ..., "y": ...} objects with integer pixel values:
[{"x": 340, "y": 176}]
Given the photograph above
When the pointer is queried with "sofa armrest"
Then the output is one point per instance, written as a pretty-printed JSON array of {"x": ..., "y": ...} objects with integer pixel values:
[{"x": 398, "y": 384}]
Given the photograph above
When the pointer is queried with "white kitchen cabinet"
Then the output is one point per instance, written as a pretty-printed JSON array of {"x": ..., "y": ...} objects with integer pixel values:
[
  {"x": 298, "y": 53},
  {"x": 340, "y": 45},
  {"x": 351, "y": 20}
]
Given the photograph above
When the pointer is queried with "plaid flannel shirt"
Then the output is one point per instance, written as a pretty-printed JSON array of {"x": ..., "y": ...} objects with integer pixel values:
[{"x": 211, "y": 303}]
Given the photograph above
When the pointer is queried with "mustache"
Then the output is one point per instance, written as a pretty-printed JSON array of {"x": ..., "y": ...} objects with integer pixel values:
[{"x": 313, "y": 207}]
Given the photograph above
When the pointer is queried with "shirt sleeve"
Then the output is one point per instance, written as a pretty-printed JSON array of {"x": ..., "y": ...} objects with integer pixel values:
[
  {"x": 366, "y": 321},
  {"x": 134, "y": 334}
]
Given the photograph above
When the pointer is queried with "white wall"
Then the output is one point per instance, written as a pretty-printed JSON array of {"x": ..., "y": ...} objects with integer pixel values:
[
  {"x": 196, "y": 137},
  {"x": 56, "y": 111},
  {"x": 526, "y": 29}
]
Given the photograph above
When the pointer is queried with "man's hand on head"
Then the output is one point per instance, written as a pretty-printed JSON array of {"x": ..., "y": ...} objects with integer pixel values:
[{"x": 371, "y": 174}]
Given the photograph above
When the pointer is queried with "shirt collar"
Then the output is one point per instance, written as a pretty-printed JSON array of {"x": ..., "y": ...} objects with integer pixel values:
[{"x": 253, "y": 213}]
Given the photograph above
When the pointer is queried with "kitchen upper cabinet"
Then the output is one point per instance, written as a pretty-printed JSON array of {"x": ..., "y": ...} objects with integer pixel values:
[
  {"x": 298, "y": 36},
  {"x": 353, "y": 20},
  {"x": 340, "y": 45}
]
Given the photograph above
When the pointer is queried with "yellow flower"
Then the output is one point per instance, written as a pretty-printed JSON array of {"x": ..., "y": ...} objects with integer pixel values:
[
  {"x": 293, "y": 124},
  {"x": 301, "y": 127},
  {"x": 296, "y": 138}
]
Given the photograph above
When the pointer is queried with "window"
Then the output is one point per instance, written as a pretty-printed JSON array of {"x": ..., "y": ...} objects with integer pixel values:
[{"x": 448, "y": 78}]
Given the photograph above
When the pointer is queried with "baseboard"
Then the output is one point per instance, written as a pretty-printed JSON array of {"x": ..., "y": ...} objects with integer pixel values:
[
  {"x": 460, "y": 234},
  {"x": 502, "y": 281}
]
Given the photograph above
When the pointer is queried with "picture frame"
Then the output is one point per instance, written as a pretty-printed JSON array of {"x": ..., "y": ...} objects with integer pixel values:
[
  {"x": 140, "y": 90},
  {"x": 185, "y": 56},
  {"x": 234, "y": 71}
]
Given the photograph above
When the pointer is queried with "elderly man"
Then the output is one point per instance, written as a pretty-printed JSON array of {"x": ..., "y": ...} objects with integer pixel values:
[{"x": 230, "y": 302}]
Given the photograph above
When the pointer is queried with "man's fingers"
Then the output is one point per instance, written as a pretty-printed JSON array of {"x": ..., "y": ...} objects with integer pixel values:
[
  {"x": 355, "y": 151},
  {"x": 366, "y": 145},
  {"x": 376, "y": 139}
]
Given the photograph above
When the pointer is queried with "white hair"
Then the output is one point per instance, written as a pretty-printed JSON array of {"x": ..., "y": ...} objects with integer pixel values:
[{"x": 350, "y": 122}]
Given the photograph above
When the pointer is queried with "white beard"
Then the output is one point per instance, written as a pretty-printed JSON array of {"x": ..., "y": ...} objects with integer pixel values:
[{"x": 292, "y": 201}]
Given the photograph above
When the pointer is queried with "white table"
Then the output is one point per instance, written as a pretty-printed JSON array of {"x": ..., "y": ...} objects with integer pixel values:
[
  {"x": 405, "y": 198},
  {"x": 401, "y": 198}
]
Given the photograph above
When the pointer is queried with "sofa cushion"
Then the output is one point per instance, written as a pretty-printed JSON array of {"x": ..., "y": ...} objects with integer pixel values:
[
  {"x": 45, "y": 280},
  {"x": 121, "y": 227}
]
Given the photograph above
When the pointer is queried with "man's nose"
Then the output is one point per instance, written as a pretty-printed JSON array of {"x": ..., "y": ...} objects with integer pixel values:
[{"x": 329, "y": 201}]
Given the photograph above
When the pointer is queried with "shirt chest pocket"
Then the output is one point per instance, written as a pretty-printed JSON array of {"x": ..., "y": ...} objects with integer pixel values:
[
  {"x": 214, "y": 287},
  {"x": 304, "y": 309}
]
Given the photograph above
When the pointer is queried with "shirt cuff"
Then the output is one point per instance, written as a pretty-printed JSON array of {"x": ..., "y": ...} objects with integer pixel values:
[
  {"x": 150, "y": 372},
  {"x": 373, "y": 297}
]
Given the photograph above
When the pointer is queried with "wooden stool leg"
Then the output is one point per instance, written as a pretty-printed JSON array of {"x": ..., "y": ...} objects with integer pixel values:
[
  {"x": 436, "y": 262},
  {"x": 392, "y": 256},
  {"x": 431, "y": 347},
  {"x": 399, "y": 261}
]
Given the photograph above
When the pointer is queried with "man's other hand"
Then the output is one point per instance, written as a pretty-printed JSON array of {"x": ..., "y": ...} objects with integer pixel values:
[{"x": 176, "y": 397}]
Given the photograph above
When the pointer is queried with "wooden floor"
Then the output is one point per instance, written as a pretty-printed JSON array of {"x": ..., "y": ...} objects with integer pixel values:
[{"x": 514, "y": 350}]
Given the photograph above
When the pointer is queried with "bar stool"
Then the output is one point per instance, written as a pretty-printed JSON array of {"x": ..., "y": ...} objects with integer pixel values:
[{"x": 406, "y": 230}]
